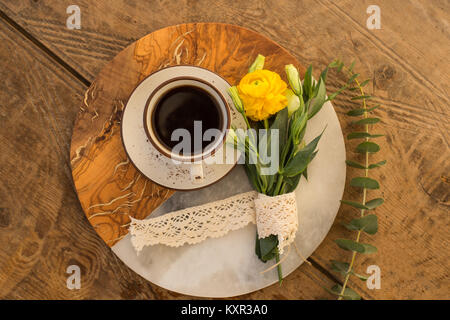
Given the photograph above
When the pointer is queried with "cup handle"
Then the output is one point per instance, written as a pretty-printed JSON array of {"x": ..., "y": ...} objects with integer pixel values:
[{"x": 197, "y": 172}]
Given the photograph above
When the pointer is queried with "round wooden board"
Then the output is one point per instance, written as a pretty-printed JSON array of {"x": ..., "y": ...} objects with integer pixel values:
[{"x": 109, "y": 188}]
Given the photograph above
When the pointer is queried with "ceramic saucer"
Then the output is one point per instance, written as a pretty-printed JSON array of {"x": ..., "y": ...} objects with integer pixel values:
[{"x": 147, "y": 159}]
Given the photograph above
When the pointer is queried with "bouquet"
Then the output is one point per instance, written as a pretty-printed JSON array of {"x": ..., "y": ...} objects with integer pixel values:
[{"x": 276, "y": 115}]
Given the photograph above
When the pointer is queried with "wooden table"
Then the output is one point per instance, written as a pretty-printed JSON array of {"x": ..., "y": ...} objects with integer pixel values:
[{"x": 46, "y": 68}]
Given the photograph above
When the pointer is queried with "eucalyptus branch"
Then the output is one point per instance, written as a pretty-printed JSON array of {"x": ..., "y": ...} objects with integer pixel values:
[{"x": 366, "y": 222}]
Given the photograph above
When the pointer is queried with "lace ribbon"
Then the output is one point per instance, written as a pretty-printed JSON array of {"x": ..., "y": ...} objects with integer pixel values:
[{"x": 272, "y": 215}]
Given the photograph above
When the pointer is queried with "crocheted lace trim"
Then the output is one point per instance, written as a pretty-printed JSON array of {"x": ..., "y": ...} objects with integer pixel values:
[{"x": 272, "y": 215}]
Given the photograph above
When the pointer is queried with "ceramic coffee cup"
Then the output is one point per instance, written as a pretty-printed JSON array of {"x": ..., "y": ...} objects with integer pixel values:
[{"x": 194, "y": 160}]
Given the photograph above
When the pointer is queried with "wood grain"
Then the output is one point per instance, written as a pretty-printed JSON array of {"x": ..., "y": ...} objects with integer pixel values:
[
  {"x": 42, "y": 226},
  {"x": 407, "y": 60}
]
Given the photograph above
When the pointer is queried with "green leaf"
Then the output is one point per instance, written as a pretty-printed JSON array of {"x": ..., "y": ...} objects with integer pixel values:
[
  {"x": 368, "y": 248},
  {"x": 334, "y": 64},
  {"x": 362, "y": 97},
  {"x": 367, "y": 146},
  {"x": 351, "y": 66},
  {"x": 339, "y": 266},
  {"x": 378, "y": 164},
  {"x": 367, "y": 121},
  {"x": 316, "y": 104},
  {"x": 307, "y": 82},
  {"x": 354, "y": 164},
  {"x": 351, "y": 245},
  {"x": 333, "y": 95},
  {"x": 353, "y": 77},
  {"x": 362, "y": 84},
  {"x": 340, "y": 66},
  {"x": 360, "y": 111},
  {"x": 360, "y": 276},
  {"x": 348, "y": 293},
  {"x": 355, "y": 204},
  {"x": 368, "y": 224},
  {"x": 292, "y": 182},
  {"x": 372, "y": 204},
  {"x": 358, "y": 135},
  {"x": 301, "y": 159},
  {"x": 297, "y": 125},
  {"x": 266, "y": 248},
  {"x": 324, "y": 73},
  {"x": 364, "y": 182},
  {"x": 343, "y": 268},
  {"x": 250, "y": 170},
  {"x": 280, "y": 123}
]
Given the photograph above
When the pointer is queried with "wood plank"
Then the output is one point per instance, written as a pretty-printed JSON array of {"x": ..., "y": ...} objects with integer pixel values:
[
  {"x": 43, "y": 228},
  {"x": 406, "y": 59}
]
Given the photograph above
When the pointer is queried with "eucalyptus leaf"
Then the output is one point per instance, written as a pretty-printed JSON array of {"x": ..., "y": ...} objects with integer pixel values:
[
  {"x": 368, "y": 248},
  {"x": 354, "y": 164},
  {"x": 355, "y": 204},
  {"x": 368, "y": 224},
  {"x": 360, "y": 111},
  {"x": 334, "y": 64},
  {"x": 360, "y": 276},
  {"x": 359, "y": 135},
  {"x": 364, "y": 182},
  {"x": 365, "y": 82},
  {"x": 351, "y": 66},
  {"x": 367, "y": 146},
  {"x": 376, "y": 165},
  {"x": 367, "y": 121},
  {"x": 348, "y": 294},
  {"x": 353, "y": 77},
  {"x": 366, "y": 97},
  {"x": 339, "y": 266},
  {"x": 372, "y": 204},
  {"x": 343, "y": 268},
  {"x": 351, "y": 245}
]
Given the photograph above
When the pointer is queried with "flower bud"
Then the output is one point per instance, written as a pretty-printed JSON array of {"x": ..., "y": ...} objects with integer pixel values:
[
  {"x": 231, "y": 138},
  {"x": 293, "y": 101},
  {"x": 258, "y": 64},
  {"x": 234, "y": 94},
  {"x": 294, "y": 79}
]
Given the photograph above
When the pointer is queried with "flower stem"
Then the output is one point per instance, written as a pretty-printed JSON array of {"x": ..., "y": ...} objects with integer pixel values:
[{"x": 280, "y": 273}]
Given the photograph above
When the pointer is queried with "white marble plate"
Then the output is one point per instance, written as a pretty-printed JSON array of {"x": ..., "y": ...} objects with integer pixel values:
[
  {"x": 144, "y": 156},
  {"x": 228, "y": 266}
]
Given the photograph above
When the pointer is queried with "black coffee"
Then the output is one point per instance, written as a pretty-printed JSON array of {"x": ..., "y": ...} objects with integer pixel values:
[{"x": 179, "y": 108}]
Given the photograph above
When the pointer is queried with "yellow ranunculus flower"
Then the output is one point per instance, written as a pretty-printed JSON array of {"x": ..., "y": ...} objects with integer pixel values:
[{"x": 263, "y": 94}]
